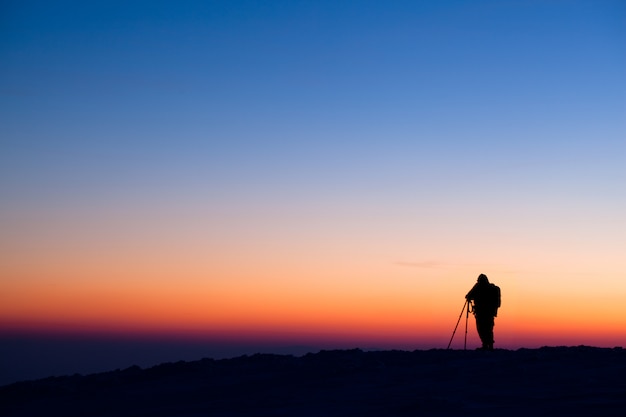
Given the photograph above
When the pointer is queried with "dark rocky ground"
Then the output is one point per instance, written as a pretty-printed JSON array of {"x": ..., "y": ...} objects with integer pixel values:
[{"x": 550, "y": 381}]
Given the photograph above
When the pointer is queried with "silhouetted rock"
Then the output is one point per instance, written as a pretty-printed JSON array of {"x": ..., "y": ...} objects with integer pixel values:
[{"x": 572, "y": 381}]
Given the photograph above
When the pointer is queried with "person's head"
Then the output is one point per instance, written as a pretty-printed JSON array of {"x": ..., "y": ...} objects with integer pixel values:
[{"x": 482, "y": 279}]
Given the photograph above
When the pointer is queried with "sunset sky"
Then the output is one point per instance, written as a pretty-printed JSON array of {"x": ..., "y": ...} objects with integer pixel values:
[{"x": 332, "y": 173}]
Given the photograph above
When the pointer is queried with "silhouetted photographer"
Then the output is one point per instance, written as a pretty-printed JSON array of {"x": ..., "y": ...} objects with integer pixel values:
[{"x": 485, "y": 299}]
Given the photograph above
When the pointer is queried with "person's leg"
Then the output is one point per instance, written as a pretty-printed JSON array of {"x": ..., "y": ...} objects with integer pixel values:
[
  {"x": 488, "y": 329},
  {"x": 484, "y": 326}
]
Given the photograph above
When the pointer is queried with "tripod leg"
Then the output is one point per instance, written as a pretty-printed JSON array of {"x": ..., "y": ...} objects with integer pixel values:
[
  {"x": 466, "y": 318},
  {"x": 457, "y": 324}
]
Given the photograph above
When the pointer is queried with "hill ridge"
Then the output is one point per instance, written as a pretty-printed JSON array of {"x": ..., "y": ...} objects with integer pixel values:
[{"x": 342, "y": 382}]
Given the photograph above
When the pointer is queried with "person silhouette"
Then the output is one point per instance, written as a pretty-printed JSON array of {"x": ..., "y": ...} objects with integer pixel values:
[{"x": 486, "y": 301}]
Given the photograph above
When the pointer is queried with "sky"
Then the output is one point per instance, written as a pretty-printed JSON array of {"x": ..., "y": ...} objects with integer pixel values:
[{"x": 314, "y": 172}]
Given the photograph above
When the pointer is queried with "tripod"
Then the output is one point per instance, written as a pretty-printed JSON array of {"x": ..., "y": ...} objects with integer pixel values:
[{"x": 467, "y": 307}]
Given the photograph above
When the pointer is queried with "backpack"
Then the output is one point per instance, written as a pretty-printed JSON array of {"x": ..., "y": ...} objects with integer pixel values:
[{"x": 495, "y": 298}]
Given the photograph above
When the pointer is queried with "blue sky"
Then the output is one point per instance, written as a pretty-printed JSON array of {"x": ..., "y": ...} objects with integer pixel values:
[
  {"x": 225, "y": 77},
  {"x": 454, "y": 102}
]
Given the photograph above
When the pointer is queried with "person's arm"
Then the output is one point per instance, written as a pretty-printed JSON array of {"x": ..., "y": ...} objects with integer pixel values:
[{"x": 470, "y": 294}]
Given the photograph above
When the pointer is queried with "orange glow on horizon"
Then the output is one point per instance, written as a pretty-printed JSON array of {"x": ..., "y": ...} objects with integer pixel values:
[
  {"x": 253, "y": 312},
  {"x": 348, "y": 291}
]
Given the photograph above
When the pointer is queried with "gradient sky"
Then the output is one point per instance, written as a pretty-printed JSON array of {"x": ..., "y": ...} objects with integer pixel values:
[{"x": 313, "y": 171}]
